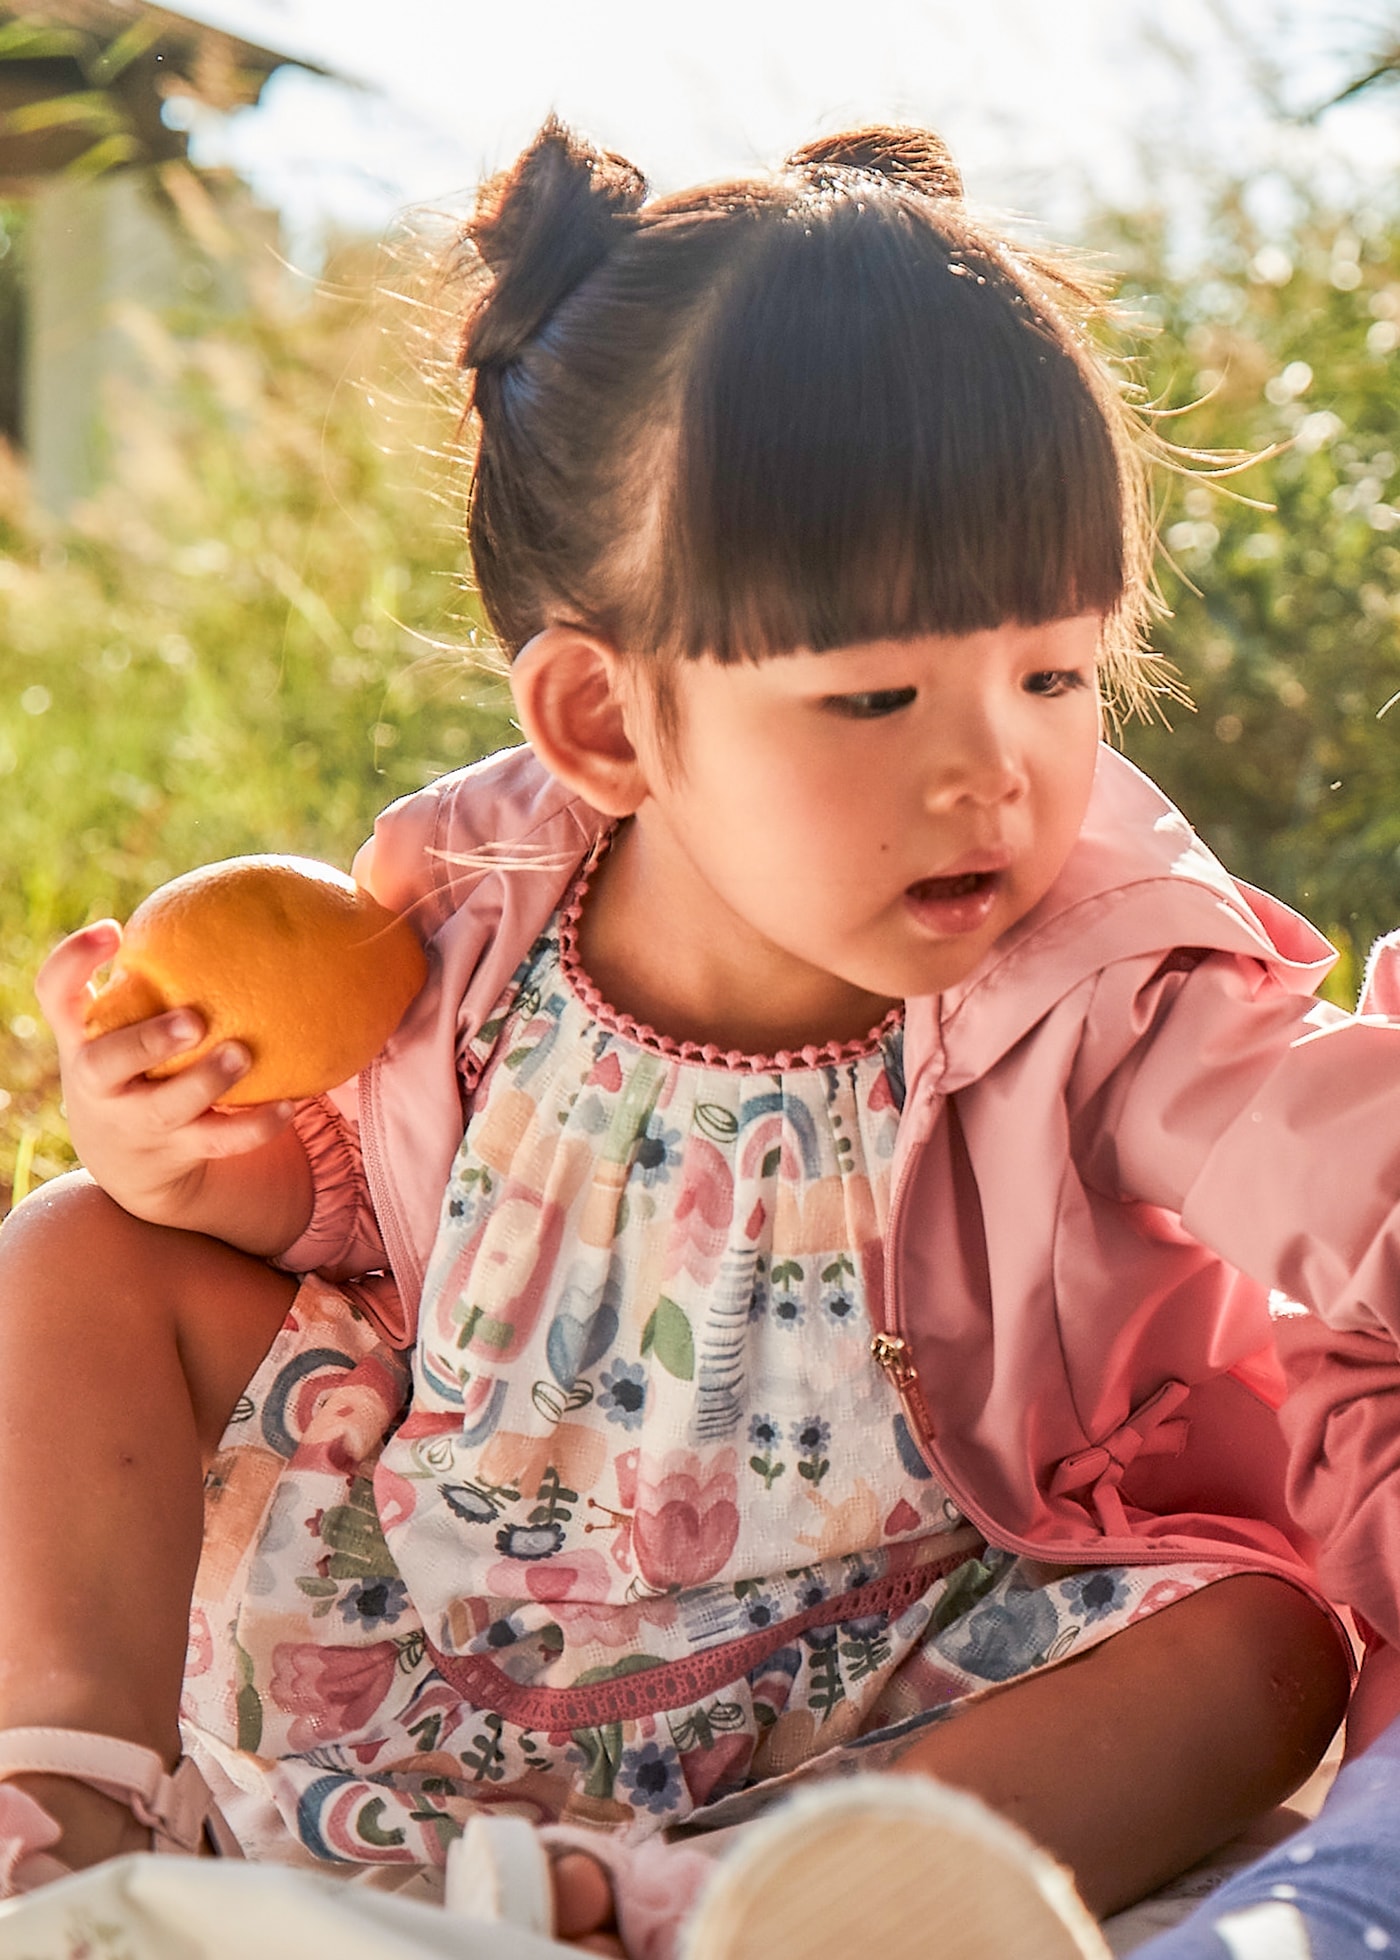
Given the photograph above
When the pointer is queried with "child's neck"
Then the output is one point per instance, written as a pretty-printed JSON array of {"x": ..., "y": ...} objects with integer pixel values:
[{"x": 675, "y": 957}]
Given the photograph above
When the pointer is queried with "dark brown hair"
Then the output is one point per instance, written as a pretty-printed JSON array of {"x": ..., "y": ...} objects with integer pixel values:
[{"x": 804, "y": 410}]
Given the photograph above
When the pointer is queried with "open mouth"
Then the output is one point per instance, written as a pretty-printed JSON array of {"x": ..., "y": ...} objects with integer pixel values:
[
  {"x": 963, "y": 886},
  {"x": 954, "y": 905}
]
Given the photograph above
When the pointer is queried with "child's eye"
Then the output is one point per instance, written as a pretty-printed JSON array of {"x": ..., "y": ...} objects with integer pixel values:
[
  {"x": 1055, "y": 680},
  {"x": 869, "y": 707}
]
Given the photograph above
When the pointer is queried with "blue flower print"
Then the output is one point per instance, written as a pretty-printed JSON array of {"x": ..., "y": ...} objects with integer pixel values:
[
  {"x": 810, "y": 1437},
  {"x": 658, "y": 1151},
  {"x": 787, "y": 1310},
  {"x": 840, "y": 1308},
  {"x": 761, "y": 1611},
  {"x": 624, "y": 1395},
  {"x": 529, "y": 1541},
  {"x": 651, "y": 1776},
  {"x": 997, "y": 1641},
  {"x": 766, "y": 1436},
  {"x": 374, "y": 1602},
  {"x": 839, "y": 1301},
  {"x": 1096, "y": 1594},
  {"x": 868, "y": 1629},
  {"x": 811, "y": 1591}
]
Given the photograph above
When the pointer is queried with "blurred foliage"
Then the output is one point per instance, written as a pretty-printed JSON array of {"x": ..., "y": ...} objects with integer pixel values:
[
  {"x": 251, "y": 641},
  {"x": 1285, "y": 621},
  {"x": 13, "y": 227},
  {"x": 256, "y": 635}
]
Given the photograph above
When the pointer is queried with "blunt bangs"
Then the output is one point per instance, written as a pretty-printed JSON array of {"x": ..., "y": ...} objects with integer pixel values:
[{"x": 885, "y": 432}]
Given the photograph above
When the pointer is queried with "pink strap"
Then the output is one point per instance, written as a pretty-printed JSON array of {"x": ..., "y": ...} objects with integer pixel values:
[{"x": 173, "y": 1804}]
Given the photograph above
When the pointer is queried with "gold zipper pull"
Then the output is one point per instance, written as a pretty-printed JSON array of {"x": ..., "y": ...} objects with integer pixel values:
[{"x": 892, "y": 1353}]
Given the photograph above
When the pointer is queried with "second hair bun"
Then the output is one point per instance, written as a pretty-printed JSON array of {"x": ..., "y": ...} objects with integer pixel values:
[{"x": 900, "y": 153}]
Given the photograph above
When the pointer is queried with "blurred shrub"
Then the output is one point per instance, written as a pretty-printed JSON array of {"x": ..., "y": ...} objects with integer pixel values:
[
  {"x": 251, "y": 641},
  {"x": 256, "y": 636},
  {"x": 1285, "y": 622}
]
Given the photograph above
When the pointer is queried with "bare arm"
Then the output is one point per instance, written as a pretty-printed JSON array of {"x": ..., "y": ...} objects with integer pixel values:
[{"x": 161, "y": 1149}]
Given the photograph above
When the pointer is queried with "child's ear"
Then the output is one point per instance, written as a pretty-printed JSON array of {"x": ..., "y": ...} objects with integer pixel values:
[{"x": 571, "y": 695}]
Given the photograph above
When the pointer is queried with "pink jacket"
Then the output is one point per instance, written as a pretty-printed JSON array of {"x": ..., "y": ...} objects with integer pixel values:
[{"x": 1120, "y": 1133}]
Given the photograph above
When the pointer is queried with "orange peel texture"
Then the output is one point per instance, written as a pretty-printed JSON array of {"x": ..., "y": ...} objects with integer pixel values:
[{"x": 289, "y": 956}]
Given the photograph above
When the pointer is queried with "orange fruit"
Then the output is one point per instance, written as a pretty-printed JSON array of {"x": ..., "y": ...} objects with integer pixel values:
[{"x": 288, "y": 956}]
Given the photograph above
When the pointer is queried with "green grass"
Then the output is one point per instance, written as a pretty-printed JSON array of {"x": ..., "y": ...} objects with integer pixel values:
[{"x": 253, "y": 639}]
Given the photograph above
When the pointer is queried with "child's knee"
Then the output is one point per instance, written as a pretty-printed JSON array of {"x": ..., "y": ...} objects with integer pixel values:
[
  {"x": 69, "y": 1222},
  {"x": 1283, "y": 1658},
  {"x": 71, "y": 1243}
]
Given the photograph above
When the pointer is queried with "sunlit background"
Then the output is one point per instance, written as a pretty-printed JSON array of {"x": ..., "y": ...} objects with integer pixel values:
[
  {"x": 234, "y": 614},
  {"x": 1049, "y": 107}
]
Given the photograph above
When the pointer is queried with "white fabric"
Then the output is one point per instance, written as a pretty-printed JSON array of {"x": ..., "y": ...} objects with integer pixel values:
[{"x": 145, "y": 1908}]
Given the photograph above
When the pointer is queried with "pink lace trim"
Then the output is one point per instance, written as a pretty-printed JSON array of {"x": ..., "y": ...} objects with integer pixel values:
[
  {"x": 675, "y": 1684},
  {"x": 829, "y": 1054}
]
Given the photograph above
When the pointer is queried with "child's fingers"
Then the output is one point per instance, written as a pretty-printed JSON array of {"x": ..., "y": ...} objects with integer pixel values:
[
  {"x": 182, "y": 1101},
  {"x": 583, "y": 1901},
  {"x": 231, "y": 1132},
  {"x": 64, "y": 979},
  {"x": 109, "y": 1062},
  {"x": 183, "y": 1106}
]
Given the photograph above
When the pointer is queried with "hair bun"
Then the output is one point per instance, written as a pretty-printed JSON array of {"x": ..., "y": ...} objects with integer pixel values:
[
  {"x": 902, "y": 153},
  {"x": 541, "y": 227}
]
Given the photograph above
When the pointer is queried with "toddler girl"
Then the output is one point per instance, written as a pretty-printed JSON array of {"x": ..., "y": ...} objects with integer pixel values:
[{"x": 792, "y": 1295}]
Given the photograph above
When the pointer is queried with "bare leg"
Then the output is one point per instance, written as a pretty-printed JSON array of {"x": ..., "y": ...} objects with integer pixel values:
[
  {"x": 1131, "y": 1762},
  {"x": 123, "y": 1349},
  {"x": 1143, "y": 1755}
]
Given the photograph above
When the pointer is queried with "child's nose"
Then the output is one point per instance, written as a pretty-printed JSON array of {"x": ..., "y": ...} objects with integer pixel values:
[{"x": 977, "y": 763}]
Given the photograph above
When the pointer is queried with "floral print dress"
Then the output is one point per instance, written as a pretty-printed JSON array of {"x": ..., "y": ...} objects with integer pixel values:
[{"x": 638, "y": 1531}]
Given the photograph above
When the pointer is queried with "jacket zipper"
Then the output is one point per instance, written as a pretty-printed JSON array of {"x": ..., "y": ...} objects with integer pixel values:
[{"x": 892, "y": 1352}]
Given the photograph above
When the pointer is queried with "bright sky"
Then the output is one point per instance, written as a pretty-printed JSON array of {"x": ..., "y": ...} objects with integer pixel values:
[{"x": 1042, "y": 100}]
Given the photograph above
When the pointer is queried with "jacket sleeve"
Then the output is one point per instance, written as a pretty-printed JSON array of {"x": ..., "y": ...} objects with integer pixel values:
[
  {"x": 1341, "y": 1420},
  {"x": 342, "y": 1237},
  {"x": 1269, "y": 1121},
  {"x": 1271, "y": 1124}
]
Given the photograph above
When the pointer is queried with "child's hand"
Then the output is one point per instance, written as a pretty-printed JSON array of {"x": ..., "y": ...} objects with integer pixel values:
[
  {"x": 583, "y": 1904},
  {"x": 148, "y": 1144}
]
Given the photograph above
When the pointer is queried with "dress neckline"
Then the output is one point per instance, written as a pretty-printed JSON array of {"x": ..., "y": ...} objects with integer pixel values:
[{"x": 828, "y": 1054}]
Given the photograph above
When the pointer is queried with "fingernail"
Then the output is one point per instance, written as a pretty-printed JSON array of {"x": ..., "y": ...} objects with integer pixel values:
[
  {"x": 184, "y": 1027},
  {"x": 234, "y": 1058}
]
